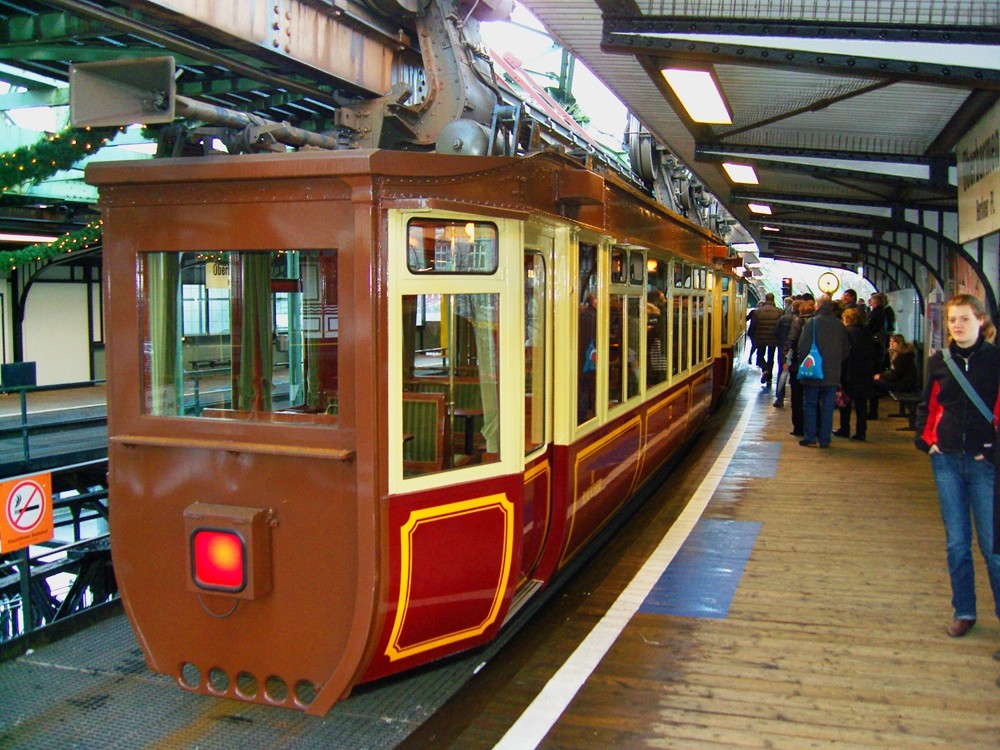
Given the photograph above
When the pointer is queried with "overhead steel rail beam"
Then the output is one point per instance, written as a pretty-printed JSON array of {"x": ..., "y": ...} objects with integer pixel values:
[
  {"x": 206, "y": 54},
  {"x": 654, "y": 35}
]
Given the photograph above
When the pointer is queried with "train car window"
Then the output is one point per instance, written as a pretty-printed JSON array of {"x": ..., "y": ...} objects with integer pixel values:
[
  {"x": 700, "y": 328},
  {"x": 679, "y": 352},
  {"x": 682, "y": 276},
  {"x": 535, "y": 282},
  {"x": 725, "y": 319},
  {"x": 451, "y": 246},
  {"x": 619, "y": 362},
  {"x": 709, "y": 312},
  {"x": 618, "y": 265},
  {"x": 240, "y": 333},
  {"x": 725, "y": 283},
  {"x": 586, "y": 385},
  {"x": 657, "y": 321},
  {"x": 637, "y": 262},
  {"x": 633, "y": 350},
  {"x": 451, "y": 381}
]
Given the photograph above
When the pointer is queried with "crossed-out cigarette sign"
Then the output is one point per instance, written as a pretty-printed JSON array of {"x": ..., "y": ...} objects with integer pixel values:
[{"x": 27, "y": 512}]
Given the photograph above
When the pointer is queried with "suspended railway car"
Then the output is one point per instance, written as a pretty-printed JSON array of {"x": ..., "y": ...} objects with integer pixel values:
[{"x": 363, "y": 404}]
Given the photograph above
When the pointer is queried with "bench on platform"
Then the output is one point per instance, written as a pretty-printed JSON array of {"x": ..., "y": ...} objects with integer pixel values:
[{"x": 907, "y": 401}]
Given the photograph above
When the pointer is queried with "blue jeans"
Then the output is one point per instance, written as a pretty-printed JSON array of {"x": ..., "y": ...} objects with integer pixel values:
[
  {"x": 965, "y": 484},
  {"x": 817, "y": 406}
]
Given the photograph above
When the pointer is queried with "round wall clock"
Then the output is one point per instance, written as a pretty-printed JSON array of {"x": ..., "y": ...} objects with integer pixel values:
[{"x": 828, "y": 282}]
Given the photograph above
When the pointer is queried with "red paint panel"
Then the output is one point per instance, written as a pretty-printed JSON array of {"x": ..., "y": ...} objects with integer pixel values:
[
  {"x": 537, "y": 512},
  {"x": 605, "y": 473},
  {"x": 446, "y": 567}
]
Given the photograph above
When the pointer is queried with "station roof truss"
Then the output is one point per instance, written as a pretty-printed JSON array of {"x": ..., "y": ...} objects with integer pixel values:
[{"x": 848, "y": 111}]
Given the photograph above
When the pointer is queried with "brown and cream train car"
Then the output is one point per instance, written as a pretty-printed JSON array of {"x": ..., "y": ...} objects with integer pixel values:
[{"x": 362, "y": 404}]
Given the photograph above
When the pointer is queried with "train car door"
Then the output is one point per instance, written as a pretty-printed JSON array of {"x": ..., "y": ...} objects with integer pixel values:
[{"x": 537, "y": 504}]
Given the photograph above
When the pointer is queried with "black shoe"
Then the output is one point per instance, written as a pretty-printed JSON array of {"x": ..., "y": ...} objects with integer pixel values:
[
  {"x": 842, "y": 432},
  {"x": 807, "y": 444},
  {"x": 796, "y": 433},
  {"x": 873, "y": 416},
  {"x": 858, "y": 437},
  {"x": 779, "y": 404}
]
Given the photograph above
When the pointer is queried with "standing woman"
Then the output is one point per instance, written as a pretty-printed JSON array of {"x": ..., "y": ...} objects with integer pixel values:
[
  {"x": 858, "y": 376},
  {"x": 959, "y": 435}
]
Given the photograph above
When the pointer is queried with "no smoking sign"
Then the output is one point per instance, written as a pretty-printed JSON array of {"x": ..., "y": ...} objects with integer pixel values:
[{"x": 27, "y": 512}]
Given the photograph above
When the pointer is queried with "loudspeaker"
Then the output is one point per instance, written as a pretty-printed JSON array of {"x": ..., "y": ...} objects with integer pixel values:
[{"x": 122, "y": 92}]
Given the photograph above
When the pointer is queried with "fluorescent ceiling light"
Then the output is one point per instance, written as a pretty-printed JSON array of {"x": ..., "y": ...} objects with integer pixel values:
[
  {"x": 5, "y": 237},
  {"x": 766, "y": 228},
  {"x": 700, "y": 96},
  {"x": 759, "y": 208},
  {"x": 742, "y": 173}
]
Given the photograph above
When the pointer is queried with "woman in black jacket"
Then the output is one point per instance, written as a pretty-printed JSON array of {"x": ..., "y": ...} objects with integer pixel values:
[
  {"x": 857, "y": 378},
  {"x": 902, "y": 375},
  {"x": 959, "y": 436}
]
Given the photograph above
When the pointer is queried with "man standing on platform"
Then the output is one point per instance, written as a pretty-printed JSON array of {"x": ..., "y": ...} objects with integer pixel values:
[
  {"x": 818, "y": 394},
  {"x": 765, "y": 319}
]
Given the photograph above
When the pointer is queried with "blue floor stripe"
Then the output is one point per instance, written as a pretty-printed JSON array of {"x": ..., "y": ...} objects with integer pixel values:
[
  {"x": 756, "y": 459},
  {"x": 702, "y": 579}
]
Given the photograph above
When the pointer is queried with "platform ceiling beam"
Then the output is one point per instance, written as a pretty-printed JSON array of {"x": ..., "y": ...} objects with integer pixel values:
[{"x": 653, "y": 35}]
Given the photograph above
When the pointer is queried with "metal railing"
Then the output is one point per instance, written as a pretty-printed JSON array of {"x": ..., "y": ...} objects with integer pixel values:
[{"x": 45, "y": 437}]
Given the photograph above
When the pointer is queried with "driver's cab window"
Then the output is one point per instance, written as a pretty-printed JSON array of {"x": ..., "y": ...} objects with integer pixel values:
[{"x": 250, "y": 335}]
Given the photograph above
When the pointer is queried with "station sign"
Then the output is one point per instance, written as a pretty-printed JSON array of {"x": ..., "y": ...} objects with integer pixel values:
[
  {"x": 978, "y": 159},
  {"x": 26, "y": 516}
]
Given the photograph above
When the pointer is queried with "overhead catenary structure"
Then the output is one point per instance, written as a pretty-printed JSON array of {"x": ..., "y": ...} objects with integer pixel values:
[{"x": 847, "y": 114}]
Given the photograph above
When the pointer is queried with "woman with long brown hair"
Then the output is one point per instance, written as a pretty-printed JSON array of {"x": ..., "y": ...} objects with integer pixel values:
[{"x": 956, "y": 426}]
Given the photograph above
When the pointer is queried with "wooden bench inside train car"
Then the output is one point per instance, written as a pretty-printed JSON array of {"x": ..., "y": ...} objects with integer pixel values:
[
  {"x": 425, "y": 432},
  {"x": 466, "y": 408}
]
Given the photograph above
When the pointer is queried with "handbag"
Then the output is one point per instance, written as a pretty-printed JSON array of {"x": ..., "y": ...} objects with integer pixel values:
[
  {"x": 811, "y": 367},
  {"x": 841, "y": 399}
]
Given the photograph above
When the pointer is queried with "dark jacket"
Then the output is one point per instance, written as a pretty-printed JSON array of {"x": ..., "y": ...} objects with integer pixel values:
[
  {"x": 790, "y": 348},
  {"x": 946, "y": 417},
  {"x": 783, "y": 329},
  {"x": 858, "y": 376},
  {"x": 765, "y": 319},
  {"x": 902, "y": 375},
  {"x": 834, "y": 346}
]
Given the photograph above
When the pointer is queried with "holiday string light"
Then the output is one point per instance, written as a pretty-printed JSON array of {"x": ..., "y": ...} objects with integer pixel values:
[{"x": 30, "y": 165}]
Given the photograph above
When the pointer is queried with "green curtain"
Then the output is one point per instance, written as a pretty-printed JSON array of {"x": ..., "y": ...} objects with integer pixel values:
[
  {"x": 485, "y": 317},
  {"x": 166, "y": 365},
  {"x": 256, "y": 333}
]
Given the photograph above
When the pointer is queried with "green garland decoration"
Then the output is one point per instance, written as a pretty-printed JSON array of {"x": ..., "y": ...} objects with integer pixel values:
[
  {"x": 79, "y": 240},
  {"x": 30, "y": 165}
]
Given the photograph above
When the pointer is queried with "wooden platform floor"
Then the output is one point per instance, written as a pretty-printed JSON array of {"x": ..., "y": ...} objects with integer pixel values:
[{"x": 835, "y": 637}]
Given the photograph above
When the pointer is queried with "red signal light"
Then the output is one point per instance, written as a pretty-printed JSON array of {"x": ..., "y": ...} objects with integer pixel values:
[
  {"x": 218, "y": 560},
  {"x": 229, "y": 549}
]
